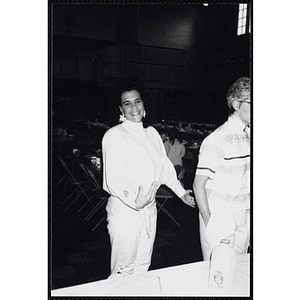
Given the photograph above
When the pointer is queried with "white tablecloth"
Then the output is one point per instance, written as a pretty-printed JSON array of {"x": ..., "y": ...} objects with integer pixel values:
[{"x": 184, "y": 280}]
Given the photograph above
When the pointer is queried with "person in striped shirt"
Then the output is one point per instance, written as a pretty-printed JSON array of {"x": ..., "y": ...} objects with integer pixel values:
[{"x": 222, "y": 179}]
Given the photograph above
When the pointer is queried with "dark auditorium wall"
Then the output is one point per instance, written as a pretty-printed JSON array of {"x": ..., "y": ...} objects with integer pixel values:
[{"x": 214, "y": 56}]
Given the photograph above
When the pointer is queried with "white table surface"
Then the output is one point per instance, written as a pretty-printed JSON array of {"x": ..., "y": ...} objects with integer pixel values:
[{"x": 184, "y": 280}]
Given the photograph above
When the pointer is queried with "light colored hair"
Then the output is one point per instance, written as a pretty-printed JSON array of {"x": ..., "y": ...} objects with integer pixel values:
[{"x": 239, "y": 90}]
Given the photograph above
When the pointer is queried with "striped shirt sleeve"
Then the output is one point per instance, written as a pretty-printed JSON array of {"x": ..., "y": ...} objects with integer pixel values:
[{"x": 209, "y": 159}]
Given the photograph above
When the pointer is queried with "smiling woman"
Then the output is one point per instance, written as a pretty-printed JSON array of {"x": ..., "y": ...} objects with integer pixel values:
[
  {"x": 132, "y": 106},
  {"x": 135, "y": 164}
]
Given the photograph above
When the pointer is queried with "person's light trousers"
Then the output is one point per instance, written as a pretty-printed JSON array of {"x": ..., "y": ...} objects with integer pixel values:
[
  {"x": 225, "y": 222},
  {"x": 132, "y": 236}
]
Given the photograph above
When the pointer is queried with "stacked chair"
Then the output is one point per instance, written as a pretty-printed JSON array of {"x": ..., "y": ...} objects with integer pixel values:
[
  {"x": 164, "y": 194},
  {"x": 80, "y": 186}
]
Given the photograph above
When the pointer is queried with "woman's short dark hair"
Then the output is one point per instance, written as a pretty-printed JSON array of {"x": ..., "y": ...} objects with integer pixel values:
[
  {"x": 127, "y": 85},
  {"x": 129, "y": 88}
]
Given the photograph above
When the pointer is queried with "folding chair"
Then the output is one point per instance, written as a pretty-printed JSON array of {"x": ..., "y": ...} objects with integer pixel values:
[
  {"x": 97, "y": 192},
  {"x": 77, "y": 184},
  {"x": 165, "y": 194},
  {"x": 58, "y": 173}
]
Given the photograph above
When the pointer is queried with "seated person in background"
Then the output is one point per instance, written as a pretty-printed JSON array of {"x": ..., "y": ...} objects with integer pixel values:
[
  {"x": 175, "y": 149},
  {"x": 164, "y": 136}
]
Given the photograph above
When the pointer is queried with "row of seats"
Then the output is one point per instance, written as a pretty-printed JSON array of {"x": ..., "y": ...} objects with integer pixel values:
[{"x": 83, "y": 186}]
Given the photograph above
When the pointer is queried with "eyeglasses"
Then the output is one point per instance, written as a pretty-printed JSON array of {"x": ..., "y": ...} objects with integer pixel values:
[{"x": 245, "y": 101}]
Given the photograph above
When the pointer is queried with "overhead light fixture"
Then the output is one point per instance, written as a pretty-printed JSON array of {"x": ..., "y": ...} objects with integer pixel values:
[{"x": 205, "y": 4}]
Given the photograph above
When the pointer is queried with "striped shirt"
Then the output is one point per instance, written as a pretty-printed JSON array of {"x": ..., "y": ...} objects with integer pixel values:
[{"x": 224, "y": 157}]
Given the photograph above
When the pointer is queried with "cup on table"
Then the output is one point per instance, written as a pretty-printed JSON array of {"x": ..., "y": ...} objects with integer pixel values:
[
  {"x": 76, "y": 152},
  {"x": 98, "y": 163}
]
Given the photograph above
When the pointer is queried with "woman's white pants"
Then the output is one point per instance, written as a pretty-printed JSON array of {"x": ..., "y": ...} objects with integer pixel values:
[{"x": 132, "y": 234}]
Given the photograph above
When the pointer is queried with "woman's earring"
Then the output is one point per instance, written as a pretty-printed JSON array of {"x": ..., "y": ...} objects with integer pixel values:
[
  {"x": 144, "y": 114},
  {"x": 122, "y": 118}
]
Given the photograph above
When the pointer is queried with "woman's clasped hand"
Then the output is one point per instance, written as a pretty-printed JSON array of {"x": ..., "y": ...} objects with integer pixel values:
[{"x": 143, "y": 200}]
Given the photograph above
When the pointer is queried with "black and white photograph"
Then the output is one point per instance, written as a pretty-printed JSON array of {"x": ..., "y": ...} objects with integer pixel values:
[
  {"x": 150, "y": 149},
  {"x": 95, "y": 96}
]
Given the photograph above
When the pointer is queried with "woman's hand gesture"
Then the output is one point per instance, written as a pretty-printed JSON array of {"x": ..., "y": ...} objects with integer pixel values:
[
  {"x": 188, "y": 199},
  {"x": 143, "y": 200}
]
